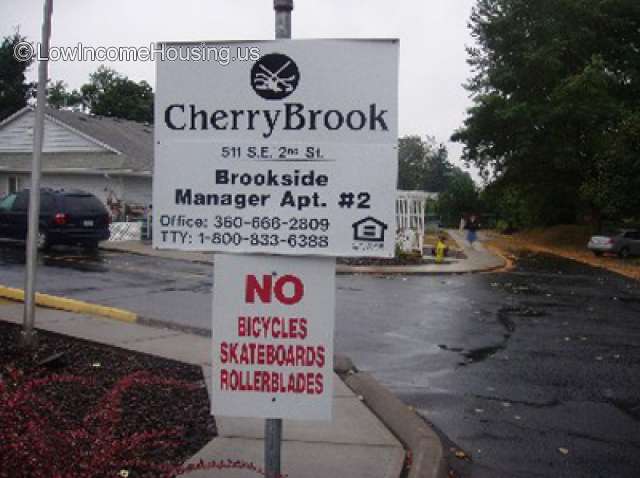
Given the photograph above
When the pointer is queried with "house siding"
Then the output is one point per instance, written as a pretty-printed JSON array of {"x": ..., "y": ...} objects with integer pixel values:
[
  {"x": 17, "y": 137},
  {"x": 131, "y": 190},
  {"x": 136, "y": 190}
]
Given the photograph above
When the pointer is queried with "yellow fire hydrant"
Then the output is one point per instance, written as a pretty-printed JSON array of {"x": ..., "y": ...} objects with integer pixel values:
[{"x": 440, "y": 250}]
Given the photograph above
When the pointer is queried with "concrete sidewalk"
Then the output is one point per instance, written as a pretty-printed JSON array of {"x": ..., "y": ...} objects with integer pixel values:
[
  {"x": 478, "y": 258},
  {"x": 355, "y": 444}
]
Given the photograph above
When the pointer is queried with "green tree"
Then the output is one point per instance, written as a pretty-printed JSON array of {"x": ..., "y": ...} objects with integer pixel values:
[
  {"x": 459, "y": 197},
  {"x": 510, "y": 204},
  {"x": 556, "y": 91},
  {"x": 59, "y": 97},
  {"x": 57, "y": 94},
  {"x": 411, "y": 162},
  {"x": 109, "y": 93},
  {"x": 99, "y": 81},
  {"x": 438, "y": 168},
  {"x": 13, "y": 87},
  {"x": 422, "y": 164},
  {"x": 614, "y": 180}
]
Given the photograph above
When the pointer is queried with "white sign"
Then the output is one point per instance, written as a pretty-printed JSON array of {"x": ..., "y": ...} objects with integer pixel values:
[
  {"x": 289, "y": 149},
  {"x": 272, "y": 338}
]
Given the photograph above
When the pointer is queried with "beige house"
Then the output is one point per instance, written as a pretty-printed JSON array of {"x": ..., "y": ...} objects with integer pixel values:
[{"x": 109, "y": 157}]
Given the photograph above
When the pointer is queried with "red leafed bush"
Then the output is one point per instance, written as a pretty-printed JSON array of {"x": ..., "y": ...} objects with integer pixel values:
[
  {"x": 37, "y": 442},
  {"x": 34, "y": 445}
]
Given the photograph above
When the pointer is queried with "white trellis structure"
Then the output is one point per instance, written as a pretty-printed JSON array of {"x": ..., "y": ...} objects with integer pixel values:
[
  {"x": 410, "y": 217},
  {"x": 125, "y": 231}
]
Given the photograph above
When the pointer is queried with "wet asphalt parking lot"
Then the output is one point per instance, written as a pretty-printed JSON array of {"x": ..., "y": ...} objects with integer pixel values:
[{"x": 529, "y": 373}]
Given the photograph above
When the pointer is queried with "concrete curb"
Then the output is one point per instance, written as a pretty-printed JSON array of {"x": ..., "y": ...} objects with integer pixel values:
[
  {"x": 342, "y": 269},
  {"x": 427, "y": 454},
  {"x": 408, "y": 270},
  {"x": 508, "y": 262},
  {"x": 70, "y": 305}
]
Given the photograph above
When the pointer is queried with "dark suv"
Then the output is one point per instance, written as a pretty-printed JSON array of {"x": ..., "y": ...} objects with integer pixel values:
[{"x": 66, "y": 217}]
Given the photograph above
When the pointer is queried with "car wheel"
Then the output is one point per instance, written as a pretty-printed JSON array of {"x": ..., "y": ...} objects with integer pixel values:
[
  {"x": 598, "y": 253},
  {"x": 624, "y": 252},
  {"x": 42, "y": 241}
]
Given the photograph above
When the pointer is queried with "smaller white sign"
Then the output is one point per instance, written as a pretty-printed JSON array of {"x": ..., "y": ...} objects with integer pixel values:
[{"x": 273, "y": 321}]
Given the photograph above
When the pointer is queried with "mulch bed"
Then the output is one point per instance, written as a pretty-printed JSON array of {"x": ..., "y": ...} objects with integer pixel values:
[
  {"x": 402, "y": 260},
  {"x": 75, "y": 408},
  {"x": 380, "y": 261}
]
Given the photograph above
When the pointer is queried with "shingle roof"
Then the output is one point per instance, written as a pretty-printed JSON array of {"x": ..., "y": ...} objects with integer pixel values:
[{"x": 134, "y": 140}]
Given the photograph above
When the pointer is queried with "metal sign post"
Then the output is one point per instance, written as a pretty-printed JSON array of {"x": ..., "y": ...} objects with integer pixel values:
[
  {"x": 283, "y": 10},
  {"x": 28, "y": 332},
  {"x": 273, "y": 426}
]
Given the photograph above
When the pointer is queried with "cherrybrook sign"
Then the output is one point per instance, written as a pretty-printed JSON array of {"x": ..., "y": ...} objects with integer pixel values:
[
  {"x": 291, "y": 150},
  {"x": 272, "y": 337}
]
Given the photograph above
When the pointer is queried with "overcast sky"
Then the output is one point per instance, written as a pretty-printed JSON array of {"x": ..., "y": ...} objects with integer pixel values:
[{"x": 433, "y": 35}]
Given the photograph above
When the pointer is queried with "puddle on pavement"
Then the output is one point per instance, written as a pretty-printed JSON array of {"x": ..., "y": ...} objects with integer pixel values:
[
  {"x": 519, "y": 311},
  {"x": 526, "y": 403},
  {"x": 195, "y": 289},
  {"x": 523, "y": 289},
  {"x": 546, "y": 305},
  {"x": 482, "y": 353},
  {"x": 475, "y": 355},
  {"x": 67, "y": 257},
  {"x": 628, "y": 408},
  {"x": 629, "y": 300},
  {"x": 505, "y": 320},
  {"x": 350, "y": 289},
  {"x": 74, "y": 263}
]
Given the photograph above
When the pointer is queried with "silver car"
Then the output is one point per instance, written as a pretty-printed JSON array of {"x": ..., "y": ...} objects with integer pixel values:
[{"x": 625, "y": 242}]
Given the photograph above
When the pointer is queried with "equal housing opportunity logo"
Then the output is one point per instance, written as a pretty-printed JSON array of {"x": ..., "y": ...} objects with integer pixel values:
[{"x": 275, "y": 76}]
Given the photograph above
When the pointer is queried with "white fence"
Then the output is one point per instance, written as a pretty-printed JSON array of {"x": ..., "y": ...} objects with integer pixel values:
[
  {"x": 410, "y": 213},
  {"x": 125, "y": 231}
]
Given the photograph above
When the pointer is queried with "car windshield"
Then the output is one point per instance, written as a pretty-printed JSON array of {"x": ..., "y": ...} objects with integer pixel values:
[{"x": 83, "y": 204}]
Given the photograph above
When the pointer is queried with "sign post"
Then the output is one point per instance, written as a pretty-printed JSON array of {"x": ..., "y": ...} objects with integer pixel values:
[
  {"x": 28, "y": 337},
  {"x": 273, "y": 426}
]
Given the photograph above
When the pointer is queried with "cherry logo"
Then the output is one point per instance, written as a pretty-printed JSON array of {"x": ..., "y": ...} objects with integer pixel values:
[{"x": 274, "y": 76}]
